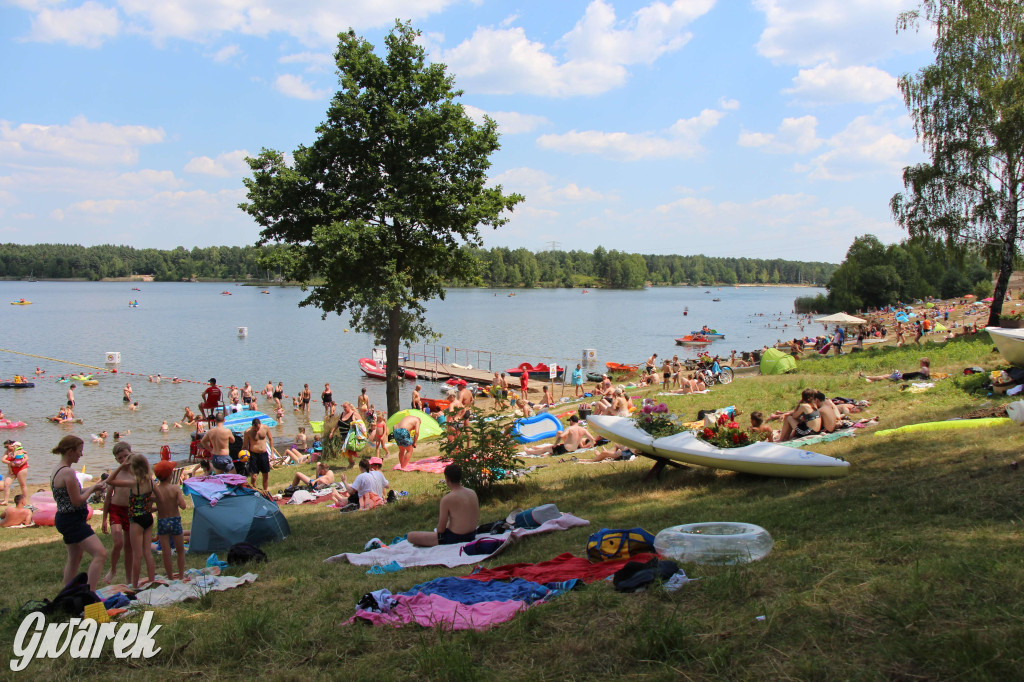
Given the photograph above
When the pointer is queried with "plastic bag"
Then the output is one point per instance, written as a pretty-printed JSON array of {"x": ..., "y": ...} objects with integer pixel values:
[{"x": 1015, "y": 411}]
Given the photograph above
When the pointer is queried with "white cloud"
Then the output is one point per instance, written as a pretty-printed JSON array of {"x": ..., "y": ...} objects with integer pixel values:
[
  {"x": 794, "y": 136},
  {"x": 825, "y": 83},
  {"x": 729, "y": 104},
  {"x": 310, "y": 21},
  {"x": 226, "y": 53},
  {"x": 598, "y": 49},
  {"x": 87, "y": 25},
  {"x": 868, "y": 145},
  {"x": 314, "y": 61},
  {"x": 225, "y": 165},
  {"x": 651, "y": 32},
  {"x": 681, "y": 141},
  {"x": 80, "y": 141},
  {"x": 840, "y": 32},
  {"x": 295, "y": 86},
  {"x": 509, "y": 122},
  {"x": 540, "y": 189}
]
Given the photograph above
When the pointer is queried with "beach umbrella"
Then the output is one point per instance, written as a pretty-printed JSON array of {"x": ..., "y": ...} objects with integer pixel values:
[
  {"x": 841, "y": 318},
  {"x": 970, "y": 296},
  {"x": 902, "y": 317},
  {"x": 988, "y": 300}
]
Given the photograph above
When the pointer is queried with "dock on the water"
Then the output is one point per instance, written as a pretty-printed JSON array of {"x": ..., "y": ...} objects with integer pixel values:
[{"x": 442, "y": 371}]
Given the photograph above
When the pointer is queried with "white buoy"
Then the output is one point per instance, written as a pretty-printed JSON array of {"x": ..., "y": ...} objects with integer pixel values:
[
  {"x": 113, "y": 358},
  {"x": 243, "y": 332}
]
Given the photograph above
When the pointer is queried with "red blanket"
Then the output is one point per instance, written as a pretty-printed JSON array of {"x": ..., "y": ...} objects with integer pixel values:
[{"x": 562, "y": 567}]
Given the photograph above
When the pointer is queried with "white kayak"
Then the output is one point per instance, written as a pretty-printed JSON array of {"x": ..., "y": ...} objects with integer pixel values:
[{"x": 765, "y": 459}]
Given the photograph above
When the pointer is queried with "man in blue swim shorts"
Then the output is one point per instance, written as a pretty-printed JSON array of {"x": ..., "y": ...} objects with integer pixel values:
[
  {"x": 460, "y": 514},
  {"x": 216, "y": 442},
  {"x": 406, "y": 433}
]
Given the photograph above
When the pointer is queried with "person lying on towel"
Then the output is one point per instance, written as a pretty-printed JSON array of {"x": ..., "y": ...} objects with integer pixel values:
[{"x": 460, "y": 514}]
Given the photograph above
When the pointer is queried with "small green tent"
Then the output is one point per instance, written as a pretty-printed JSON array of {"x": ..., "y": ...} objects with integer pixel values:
[
  {"x": 774, "y": 361},
  {"x": 429, "y": 428}
]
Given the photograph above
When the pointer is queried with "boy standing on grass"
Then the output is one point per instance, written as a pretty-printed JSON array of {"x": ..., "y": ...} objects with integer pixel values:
[
  {"x": 169, "y": 500},
  {"x": 116, "y": 517}
]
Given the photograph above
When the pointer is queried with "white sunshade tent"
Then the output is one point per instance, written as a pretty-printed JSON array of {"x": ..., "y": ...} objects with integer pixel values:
[{"x": 840, "y": 318}]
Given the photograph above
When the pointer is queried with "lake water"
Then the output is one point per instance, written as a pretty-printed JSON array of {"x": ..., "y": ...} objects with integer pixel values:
[{"x": 190, "y": 331}]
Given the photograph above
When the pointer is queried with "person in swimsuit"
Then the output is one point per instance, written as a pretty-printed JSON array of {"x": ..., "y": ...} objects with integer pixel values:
[
  {"x": 406, "y": 433},
  {"x": 327, "y": 398},
  {"x": 140, "y": 512},
  {"x": 570, "y": 440},
  {"x": 278, "y": 393},
  {"x": 72, "y": 512},
  {"x": 417, "y": 401},
  {"x": 804, "y": 420},
  {"x": 115, "y": 510},
  {"x": 169, "y": 500},
  {"x": 296, "y": 452},
  {"x": 459, "y": 514},
  {"x": 304, "y": 398},
  {"x": 379, "y": 436},
  {"x": 216, "y": 442},
  {"x": 248, "y": 398},
  {"x": 16, "y": 460},
  {"x": 258, "y": 440},
  {"x": 363, "y": 403},
  {"x": 127, "y": 398}
]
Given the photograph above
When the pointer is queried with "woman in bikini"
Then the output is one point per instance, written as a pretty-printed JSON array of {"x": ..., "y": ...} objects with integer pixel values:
[
  {"x": 72, "y": 512},
  {"x": 804, "y": 420}
]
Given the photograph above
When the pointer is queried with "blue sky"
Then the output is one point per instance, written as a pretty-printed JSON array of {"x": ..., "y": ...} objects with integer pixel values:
[{"x": 769, "y": 128}]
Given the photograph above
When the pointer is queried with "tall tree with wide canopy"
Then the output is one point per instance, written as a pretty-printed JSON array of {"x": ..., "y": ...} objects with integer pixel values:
[
  {"x": 968, "y": 110},
  {"x": 374, "y": 212}
]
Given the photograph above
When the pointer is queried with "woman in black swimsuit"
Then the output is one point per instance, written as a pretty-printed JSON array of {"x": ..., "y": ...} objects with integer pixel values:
[
  {"x": 72, "y": 512},
  {"x": 327, "y": 398},
  {"x": 278, "y": 393},
  {"x": 805, "y": 419}
]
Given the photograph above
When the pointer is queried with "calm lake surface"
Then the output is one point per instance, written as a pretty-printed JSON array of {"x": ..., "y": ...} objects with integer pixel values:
[{"x": 191, "y": 331}]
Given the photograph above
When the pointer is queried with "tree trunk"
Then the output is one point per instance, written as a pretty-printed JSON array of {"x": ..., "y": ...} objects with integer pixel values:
[
  {"x": 391, "y": 343},
  {"x": 1008, "y": 259}
]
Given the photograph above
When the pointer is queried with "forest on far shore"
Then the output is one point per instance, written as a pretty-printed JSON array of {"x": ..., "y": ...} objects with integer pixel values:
[{"x": 499, "y": 266}]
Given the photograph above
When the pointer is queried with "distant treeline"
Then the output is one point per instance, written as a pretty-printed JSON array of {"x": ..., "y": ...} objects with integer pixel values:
[
  {"x": 499, "y": 267},
  {"x": 874, "y": 275}
]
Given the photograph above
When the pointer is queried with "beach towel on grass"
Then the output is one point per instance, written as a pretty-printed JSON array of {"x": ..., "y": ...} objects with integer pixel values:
[
  {"x": 823, "y": 438},
  {"x": 432, "y": 465},
  {"x": 462, "y": 604},
  {"x": 559, "y": 569},
  {"x": 408, "y": 555}
]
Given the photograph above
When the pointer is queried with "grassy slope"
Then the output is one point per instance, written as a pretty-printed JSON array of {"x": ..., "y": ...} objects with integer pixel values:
[{"x": 909, "y": 567}]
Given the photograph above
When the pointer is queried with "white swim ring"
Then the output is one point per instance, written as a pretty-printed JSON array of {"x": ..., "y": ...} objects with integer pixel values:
[{"x": 716, "y": 542}]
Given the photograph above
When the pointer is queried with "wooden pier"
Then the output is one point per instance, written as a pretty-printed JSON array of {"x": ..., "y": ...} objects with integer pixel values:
[{"x": 439, "y": 371}]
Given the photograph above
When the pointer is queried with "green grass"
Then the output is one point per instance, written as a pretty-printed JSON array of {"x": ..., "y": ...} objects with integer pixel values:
[{"x": 908, "y": 568}]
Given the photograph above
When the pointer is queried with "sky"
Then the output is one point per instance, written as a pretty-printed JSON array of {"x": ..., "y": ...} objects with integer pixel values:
[{"x": 760, "y": 128}]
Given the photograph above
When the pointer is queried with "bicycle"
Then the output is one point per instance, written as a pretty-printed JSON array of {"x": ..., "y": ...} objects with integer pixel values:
[{"x": 716, "y": 374}]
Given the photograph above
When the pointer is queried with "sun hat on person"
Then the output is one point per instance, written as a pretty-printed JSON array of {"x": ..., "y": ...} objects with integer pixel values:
[
  {"x": 164, "y": 468},
  {"x": 376, "y": 460}
]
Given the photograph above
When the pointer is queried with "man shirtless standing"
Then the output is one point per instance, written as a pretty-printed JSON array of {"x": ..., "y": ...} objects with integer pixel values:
[
  {"x": 460, "y": 514},
  {"x": 406, "y": 433},
  {"x": 216, "y": 441},
  {"x": 258, "y": 440},
  {"x": 417, "y": 401}
]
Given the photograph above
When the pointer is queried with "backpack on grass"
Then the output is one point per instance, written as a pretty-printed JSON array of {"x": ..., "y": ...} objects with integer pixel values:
[
  {"x": 243, "y": 553},
  {"x": 611, "y": 544}
]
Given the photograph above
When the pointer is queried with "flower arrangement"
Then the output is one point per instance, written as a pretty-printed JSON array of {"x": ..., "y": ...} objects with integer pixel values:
[
  {"x": 655, "y": 419},
  {"x": 705, "y": 359},
  {"x": 728, "y": 434},
  {"x": 1016, "y": 316}
]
